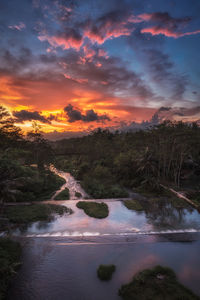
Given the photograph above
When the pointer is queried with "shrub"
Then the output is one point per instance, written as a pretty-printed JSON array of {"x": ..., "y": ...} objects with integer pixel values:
[
  {"x": 158, "y": 283},
  {"x": 104, "y": 272}
]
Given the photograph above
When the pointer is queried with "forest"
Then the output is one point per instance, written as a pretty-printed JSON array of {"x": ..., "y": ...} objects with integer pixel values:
[{"x": 109, "y": 165}]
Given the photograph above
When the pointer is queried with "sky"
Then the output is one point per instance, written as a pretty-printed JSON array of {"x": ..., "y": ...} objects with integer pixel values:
[{"x": 73, "y": 66}]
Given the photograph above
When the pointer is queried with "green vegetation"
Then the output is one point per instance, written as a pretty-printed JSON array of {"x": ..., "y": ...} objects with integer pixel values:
[
  {"x": 108, "y": 164},
  {"x": 105, "y": 272},
  {"x": 78, "y": 195},
  {"x": 158, "y": 283},
  {"x": 25, "y": 214},
  {"x": 99, "y": 190},
  {"x": 93, "y": 209},
  {"x": 24, "y": 164},
  {"x": 64, "y": 195},
  {"x": 10, "y": 253},
  {"x": 194, "y": 196},
  {"x": 133, "y": 205}
]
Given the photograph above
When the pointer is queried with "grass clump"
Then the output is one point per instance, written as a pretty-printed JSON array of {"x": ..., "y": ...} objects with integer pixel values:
[
  {"x": 10, "y": 253},
  {"x": 78, "y": 195},
  {"x": 64, "y": 195},
  {"x": 133, "y": 205},
  {"x": 104, "y": 272},
  {"x": 94, "y": 209},
  {"x": 36, "y": 212},
  {"x": 158, "y": 283}
]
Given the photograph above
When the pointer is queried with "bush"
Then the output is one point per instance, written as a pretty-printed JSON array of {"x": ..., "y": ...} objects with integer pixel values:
[
  {"x": 99, "y": 190},
  {"x": 158, "y": 283},
  {"x": 93, "y": 209},
  {"x": 133, "y": 205},
  {"x": 10, "y": 253},
  {"x": 64, "y": 195},
  {"x": 104, "y": 272}
]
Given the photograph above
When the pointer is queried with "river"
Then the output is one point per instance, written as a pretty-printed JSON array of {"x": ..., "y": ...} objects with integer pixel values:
[{"x": 60, "y": 258}]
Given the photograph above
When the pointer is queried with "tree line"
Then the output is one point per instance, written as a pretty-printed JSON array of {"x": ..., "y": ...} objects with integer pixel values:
[{"x": 168, "y": 153}]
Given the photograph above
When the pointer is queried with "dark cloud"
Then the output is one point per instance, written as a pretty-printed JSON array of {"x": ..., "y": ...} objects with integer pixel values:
[
  {"x": 165, "y": 20},
  {"x": 172, "y": 113},
  {"x": 112, "y": 78},
  {"x": 25, "y": 115},
  {"x": 110, "y": 25},
  {"x": 163, "y": 73},
  {"x": 163, "y": 23},
  {"x": 90, "y": 116}
]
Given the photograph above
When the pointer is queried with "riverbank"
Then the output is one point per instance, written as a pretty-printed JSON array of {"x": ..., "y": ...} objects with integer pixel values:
[{"x": 23, "y": 215}]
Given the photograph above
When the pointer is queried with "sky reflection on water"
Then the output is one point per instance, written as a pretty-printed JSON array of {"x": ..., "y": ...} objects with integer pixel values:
[{"x": 120, "y": 221}]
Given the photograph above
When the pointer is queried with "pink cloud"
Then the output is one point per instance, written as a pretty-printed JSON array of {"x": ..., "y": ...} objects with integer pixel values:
[
  {"x": 140, "y": 18},
  {"x": 167, "y": 32},
  {"x": 89, "y": 53},
  {"x": 102, "y": 53},
  {"x": 62, "y": 41},
  {"x": 19, "y": 26},
  {"x": 79, "y": 80},
  {"x": 98, "y": 65},
  {"x": 107, "y": 30}
]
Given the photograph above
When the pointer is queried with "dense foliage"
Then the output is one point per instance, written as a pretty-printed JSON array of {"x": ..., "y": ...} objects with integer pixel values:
[
  {"x": 159, "y": 283},
  {"x": 24, "y": 160},
  {"x": 10, "y": 253},
  {"x": 106, "y": 162}
]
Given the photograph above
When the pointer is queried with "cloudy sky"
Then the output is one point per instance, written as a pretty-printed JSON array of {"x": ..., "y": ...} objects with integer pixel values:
[{"x": 77, "y": 65}]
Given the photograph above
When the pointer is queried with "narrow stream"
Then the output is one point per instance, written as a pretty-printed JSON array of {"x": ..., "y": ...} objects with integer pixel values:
[{"x": 71, "y": 184}]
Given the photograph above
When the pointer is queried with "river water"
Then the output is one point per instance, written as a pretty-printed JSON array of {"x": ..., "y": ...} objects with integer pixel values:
[
  {"x": 70, "y": 183},
  {"x": 60, "y": 258}
]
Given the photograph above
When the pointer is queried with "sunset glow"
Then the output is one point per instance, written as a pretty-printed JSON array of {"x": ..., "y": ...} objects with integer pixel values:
[{"x": 75, "y": 66}]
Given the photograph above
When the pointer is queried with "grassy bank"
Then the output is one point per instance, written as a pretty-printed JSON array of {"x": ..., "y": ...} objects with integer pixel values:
[
  {"x": 10, "y": 253},
  {"x": 158, "y": 283},
  {"x": 93, "y": 209},
  {"x": 35, "y": 212},
  {"x": 64, "y": 195}
]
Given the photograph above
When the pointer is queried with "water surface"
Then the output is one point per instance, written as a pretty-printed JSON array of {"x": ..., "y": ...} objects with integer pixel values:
[
  {"x": 55, "y": 269},
  {"x": 120, "y": 221}
]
